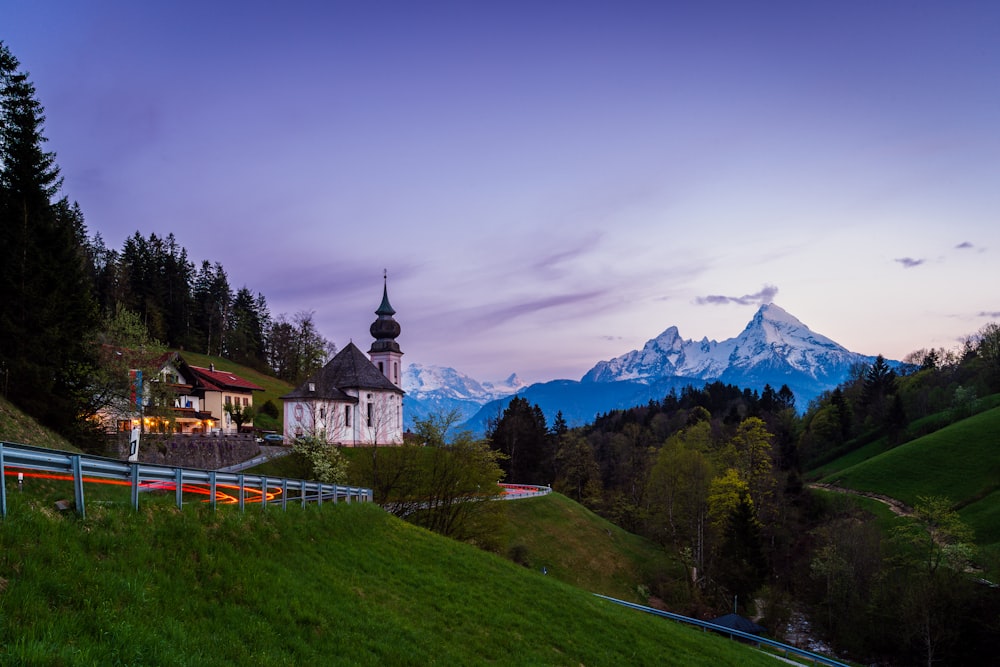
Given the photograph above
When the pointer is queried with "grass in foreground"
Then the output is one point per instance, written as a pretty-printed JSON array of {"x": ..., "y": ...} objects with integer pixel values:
[{"x": 344, "y": 584}]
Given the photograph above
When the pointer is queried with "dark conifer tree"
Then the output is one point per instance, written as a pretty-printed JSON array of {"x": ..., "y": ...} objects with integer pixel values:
[
  {"x": 522, "y": 435},
  {"x": 47, "y": 314}
]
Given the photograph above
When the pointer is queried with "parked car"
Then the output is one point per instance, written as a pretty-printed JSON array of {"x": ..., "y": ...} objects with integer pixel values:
[{"x": 274, "y": 439}]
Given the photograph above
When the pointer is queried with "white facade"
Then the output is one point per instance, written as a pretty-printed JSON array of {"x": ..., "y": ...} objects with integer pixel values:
[{"x": 375, "y": 418}]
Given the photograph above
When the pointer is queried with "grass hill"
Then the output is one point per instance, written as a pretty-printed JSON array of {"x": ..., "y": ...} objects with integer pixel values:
[
  {"x": 960, "y": 461},
  {"x": 345, "y": 584},
  {"x": 15, "y": 426},
  {"x": 576, "y": 546}
]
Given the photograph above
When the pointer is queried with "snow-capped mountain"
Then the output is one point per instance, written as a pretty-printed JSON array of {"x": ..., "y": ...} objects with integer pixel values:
[
  {"x": 440, "y": 389},
  {"x": 774, "y": 342},
  {"x": 775, "y": 348}
]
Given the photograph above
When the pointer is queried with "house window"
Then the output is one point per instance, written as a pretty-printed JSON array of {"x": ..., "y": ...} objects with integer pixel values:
[
  {"x": 229, "y": 400},
  {"x": 246, "y": 401},
  {"x": 347, "y": 416},
  {"x": 370, "y": 411},
  {"x": 322, "y": 413}
]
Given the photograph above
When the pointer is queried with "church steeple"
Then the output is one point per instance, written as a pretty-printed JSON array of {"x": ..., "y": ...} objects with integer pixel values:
[{"x": 385, "y": 352}]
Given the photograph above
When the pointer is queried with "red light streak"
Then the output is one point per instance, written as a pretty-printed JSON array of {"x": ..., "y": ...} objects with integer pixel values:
[{"x": 250, "y": 495}]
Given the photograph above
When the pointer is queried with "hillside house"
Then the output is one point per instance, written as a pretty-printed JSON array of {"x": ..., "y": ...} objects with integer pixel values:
[{"x": 180, "y": 398}]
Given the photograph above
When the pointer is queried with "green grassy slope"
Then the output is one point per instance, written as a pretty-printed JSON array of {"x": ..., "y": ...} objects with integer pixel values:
[
  {"x": 961, "y": 462},
  {"x": 579, "y": 547},
  {"x": 344, "y": 584},
  {"x": 17, "y": 427}
]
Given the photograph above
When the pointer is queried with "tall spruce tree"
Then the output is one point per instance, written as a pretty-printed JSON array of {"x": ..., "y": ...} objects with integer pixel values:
[{"x": 47, "y": 314}]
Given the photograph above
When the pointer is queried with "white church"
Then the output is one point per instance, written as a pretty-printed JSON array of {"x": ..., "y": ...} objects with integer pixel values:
[{"x": 355, "y": 400}]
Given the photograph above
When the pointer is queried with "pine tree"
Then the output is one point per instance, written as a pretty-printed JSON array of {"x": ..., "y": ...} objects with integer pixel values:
[{"x": 47, "y": 313}]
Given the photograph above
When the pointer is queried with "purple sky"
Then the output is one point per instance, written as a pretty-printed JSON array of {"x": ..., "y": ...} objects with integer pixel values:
[{"x": 549, "y": 184}]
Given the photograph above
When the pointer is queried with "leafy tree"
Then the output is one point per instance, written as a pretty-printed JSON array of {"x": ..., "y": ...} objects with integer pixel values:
[
  {"x": 678, "y": 492},
  {"x": 239, "y": 414},
  {"x": 296, "y": 348},
  {"x": 941, "y": 546},
  {"x": 578, "y": 475},
  {"x": 326, "y": 462},
  {"x": 988, "y": 350},
  {"x": 447, "y": 484}
]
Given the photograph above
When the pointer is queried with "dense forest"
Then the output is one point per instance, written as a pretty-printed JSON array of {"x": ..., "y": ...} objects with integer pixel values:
[
  {"x": 68, "y": 298},
  {"x": 715, "y": 475}
]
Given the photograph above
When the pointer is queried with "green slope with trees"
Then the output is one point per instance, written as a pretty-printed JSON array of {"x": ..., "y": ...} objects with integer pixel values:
[{"x": 346, "y": 584}]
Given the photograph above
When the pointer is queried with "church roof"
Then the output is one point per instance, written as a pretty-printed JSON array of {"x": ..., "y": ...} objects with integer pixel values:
[{"x": 349, "y": 369}]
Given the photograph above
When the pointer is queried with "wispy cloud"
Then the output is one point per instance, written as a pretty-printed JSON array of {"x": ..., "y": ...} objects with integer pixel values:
[
  {"x": 963, "y": 245},
  {"x": 491, "y": 316},
  {"x": 909, "y": 262},
  {"x": 765, "y": 295},
  {"x": 990, "y": 313}
]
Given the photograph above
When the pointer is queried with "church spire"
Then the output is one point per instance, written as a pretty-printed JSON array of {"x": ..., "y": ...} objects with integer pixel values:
[{"x": 385, "y": 329}]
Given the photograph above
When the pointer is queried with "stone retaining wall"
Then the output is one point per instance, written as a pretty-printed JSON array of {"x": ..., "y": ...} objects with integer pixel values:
[{"x": 205, "y": 452}]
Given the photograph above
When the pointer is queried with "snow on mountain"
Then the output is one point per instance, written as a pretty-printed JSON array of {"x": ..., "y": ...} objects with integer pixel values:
[
  {"x": 440, "y": 389},
  {"x": 773, "y": 339},
  {"x": 422, "y": 381}
]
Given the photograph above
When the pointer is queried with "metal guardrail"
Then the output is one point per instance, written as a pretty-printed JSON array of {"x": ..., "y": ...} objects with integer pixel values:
[
  {"x": 516, "y": 491},
  {"x": 83, "y": 468},
  {"x": 705, "y": 625}
]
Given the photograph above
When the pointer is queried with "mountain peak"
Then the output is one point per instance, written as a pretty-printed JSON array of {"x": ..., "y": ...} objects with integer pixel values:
[{"x": 773, "y": 339}]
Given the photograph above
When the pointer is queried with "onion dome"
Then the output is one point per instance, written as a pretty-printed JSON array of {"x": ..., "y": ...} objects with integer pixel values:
[{"x": 385, "y": 329}]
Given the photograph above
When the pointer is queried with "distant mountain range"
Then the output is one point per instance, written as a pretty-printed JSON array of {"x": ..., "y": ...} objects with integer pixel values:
[
  {"x": 775, "y": 348},
  {"x": 439, "y": 389}
]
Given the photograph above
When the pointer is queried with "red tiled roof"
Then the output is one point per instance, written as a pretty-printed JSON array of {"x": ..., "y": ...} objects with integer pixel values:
[{"x": 218, "y": 380}]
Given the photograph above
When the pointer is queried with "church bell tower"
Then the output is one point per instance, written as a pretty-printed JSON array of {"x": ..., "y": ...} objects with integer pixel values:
[{"x": 385, "y": 352}]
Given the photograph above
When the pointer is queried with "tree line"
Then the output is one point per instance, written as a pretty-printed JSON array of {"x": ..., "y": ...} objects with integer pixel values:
[{"x": 66, "y": 294}]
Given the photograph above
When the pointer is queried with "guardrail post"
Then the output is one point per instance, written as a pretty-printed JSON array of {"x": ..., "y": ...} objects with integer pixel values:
[
  {"x": 319, "y": 494},
  {"x": 213, "y": 489},
  {"x": 179, "y": 487},
  {"x": 78, "y": 486},
  {"x": 284, "y": 494},
  {"x": 3, "y": 487},
  {"x": 134, "y": 468},
  {"x": 263, "y": 492},
  {"x": 242, "y": 492},
  {"x": 302, "y": 491}
]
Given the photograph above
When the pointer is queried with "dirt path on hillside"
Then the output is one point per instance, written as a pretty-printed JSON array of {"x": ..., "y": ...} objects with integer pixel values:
[{"x": 898, "y": 507}]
